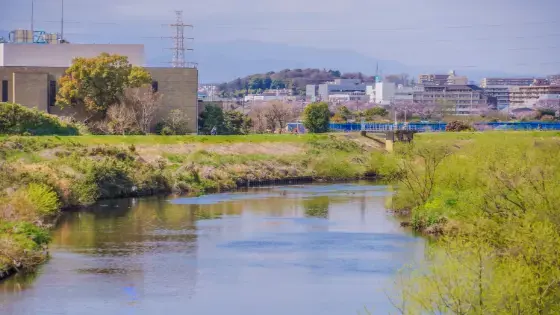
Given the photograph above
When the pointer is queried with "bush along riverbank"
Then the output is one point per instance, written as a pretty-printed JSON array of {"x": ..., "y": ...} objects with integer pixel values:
[
  {"x": 42, "y": 175},
  {"x": 492, "y": 198}
]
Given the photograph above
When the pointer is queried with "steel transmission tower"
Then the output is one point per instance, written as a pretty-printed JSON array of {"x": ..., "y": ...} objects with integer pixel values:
[{"x": 179, "y": 49}]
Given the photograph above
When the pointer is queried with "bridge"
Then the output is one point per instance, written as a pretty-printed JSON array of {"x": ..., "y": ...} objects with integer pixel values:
[{"x": 430, "y": 126}]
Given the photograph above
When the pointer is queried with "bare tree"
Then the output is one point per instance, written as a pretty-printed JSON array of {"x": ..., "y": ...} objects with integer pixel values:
[
  {"x": 144, "y": 104},
  {"x": 259, "y": 120},
  {"x": 120, "y": 119}
]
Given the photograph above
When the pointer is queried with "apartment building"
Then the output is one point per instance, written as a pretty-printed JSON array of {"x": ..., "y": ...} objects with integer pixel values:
[
  {"x": 29, "y": 74},
  {"x": 500, "y": 93},
  {"x": 528, "y": 96},
  {"x": 464, "y": 99},
  {"x": 491, "y": 82},
  {"x": 442, "y": 79}
]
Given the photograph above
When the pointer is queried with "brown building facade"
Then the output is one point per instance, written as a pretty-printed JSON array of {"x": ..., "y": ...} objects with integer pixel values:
[{"x": 36, "y": 86}]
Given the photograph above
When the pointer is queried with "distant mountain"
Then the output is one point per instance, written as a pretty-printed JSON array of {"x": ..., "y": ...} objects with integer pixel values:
[{"x": 225, "y": 61}]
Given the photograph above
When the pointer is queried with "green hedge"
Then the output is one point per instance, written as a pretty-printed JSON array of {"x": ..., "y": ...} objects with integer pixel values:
[{"x": 17, "y": 119}]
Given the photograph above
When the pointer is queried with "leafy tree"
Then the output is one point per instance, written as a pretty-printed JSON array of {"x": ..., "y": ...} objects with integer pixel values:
[
  {"x": 375, "y": 111},
  {"x": 99, "y": 82},
  {"x": 237, "y": 123},
  {"x": 267, "y": 82},
  {"x": 277, "y": 84},
  {"x": 344, "y": 113},
  {"x": 335, "y": 73},
  {"x": 316, "y": 117},
  {"x": 211, "y": 116},
  {"x": 256, "y": 83}
]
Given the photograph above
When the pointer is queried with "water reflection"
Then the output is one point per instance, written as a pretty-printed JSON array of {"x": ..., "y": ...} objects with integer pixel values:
[{"x": 328, "y": 249}]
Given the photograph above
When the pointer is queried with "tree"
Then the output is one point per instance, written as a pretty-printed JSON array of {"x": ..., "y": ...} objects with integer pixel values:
[
  {"x": 212, "y": 116},
  {"x": 256, "y": 83},
  {"x": 144, "y": 104},
  {"x": 373, "y": 112},
  {"x": 237, "y": 123},
  {"x": 277, "y": 84},
  {"x": 267, "y": 82},
  {"x": 99, "y": 82},
  {"x": 121, "y": 119},
  {"x": 177, "y": 122},
  {"x": 343, "y": 112},
  {"x": 316, "y": 117}
]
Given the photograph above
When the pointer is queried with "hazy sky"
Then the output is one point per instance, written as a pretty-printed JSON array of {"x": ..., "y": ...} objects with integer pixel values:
[{"x": 516, "y": 36}]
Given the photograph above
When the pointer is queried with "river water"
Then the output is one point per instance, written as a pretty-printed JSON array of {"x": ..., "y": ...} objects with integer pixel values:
[{"x": 311, "y": 249}]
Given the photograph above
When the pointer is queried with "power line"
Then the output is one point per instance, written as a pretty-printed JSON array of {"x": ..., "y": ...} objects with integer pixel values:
[{"x": 256, "y": 27}]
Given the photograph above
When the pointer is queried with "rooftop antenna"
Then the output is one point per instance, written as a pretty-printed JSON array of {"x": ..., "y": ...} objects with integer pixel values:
[{"x": 179, "y": 49}]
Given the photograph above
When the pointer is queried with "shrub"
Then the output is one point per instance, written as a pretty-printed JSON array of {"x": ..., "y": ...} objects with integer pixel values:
[
  {"x": 316, "y": 117},
  {"x": 457, "y": 126},
  {"x": 17, "y": 119},
  {"x": 42, "y": 197}
]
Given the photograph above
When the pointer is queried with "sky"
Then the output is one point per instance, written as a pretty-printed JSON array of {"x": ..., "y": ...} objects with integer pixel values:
[{"x": 514, "y": 36}]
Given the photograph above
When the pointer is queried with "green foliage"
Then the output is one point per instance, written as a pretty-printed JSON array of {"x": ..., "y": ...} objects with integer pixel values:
[
  {"x": 99, "y": 82},
  {"x": 373, "y": 112},
  {"x": 237, "y": 123},
  {"x": 227, "y": 123},
  {"x": 344, "y": 113},
  {"x": 316, "y": 117},
  {"x": 494, "y": 198},
  {"x": 17, "y": 119},
  {"x": 212, "y": 116},
  {"x": 43, "y": 198}
]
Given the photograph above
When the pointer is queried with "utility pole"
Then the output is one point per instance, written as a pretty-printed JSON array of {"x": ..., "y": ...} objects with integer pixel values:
[
  {"x": 32, "y": 18},
  {"x": 179, "y": 49},
  {"x": 62, "y": 21}
]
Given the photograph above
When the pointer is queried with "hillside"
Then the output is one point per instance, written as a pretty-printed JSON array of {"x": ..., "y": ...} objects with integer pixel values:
[{"x": 295, "y": 79}]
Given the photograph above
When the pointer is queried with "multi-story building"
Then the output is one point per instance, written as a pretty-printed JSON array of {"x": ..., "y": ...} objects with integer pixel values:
[
  {"x": 462, "y": 99},
  {"x": 270, "y": 95},
  {"x": 29, "y": 75},
  {"x": 528, "y": 96},
  {"x": 489, "y": 82},
  {"x": 500, "y": 93},
  {"x": 338, "y": 86},
  {"x": 442, "y": 79}
]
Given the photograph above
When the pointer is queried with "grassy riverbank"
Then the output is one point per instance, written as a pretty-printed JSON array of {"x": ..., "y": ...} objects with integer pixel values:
[
  {"x": 42, "y": 175},
  {"x": 493, "y": 196}
]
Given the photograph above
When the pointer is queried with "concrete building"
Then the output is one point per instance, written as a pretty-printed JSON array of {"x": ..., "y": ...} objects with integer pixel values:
[
  {"x": 528, "y": 96},
  {"x": 270, "y": 95},
  {"x": 384, "y": 93},
  {"x": 500, "y": 93},
  {"x": 465, "y": 99},
  {"x": 29, "y": 75},
  {"x": 490, "y": 82},
  {"x": 340, "y": 86},
  {"x": 442, "y": 79}
]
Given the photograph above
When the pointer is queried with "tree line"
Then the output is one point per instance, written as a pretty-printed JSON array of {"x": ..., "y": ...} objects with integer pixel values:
[{"x": 293, "y": 79}]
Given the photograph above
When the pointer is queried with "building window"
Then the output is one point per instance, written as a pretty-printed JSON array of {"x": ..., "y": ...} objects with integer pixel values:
[
  {"x": 52, "y": 93},
  {"x": 4, "y": 90},
  {"x": 155, "y": 86}
]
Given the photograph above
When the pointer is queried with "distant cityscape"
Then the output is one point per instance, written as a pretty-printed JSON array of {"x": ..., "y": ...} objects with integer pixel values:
[{"x": 513, "y": 95}]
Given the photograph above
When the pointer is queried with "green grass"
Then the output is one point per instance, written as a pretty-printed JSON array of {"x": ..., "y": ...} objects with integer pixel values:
[{"x": 154, "y": 140}]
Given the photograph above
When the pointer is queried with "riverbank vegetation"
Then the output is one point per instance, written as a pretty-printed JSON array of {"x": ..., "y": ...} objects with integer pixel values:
[
  {"x": 493, "y": 198},
  {"x": 41, "y": 175}
]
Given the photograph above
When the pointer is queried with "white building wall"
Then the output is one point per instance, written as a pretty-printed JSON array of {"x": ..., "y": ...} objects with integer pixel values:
[
  {"x": 384, "y": 92},
  {"x": 43, "y": 55}
]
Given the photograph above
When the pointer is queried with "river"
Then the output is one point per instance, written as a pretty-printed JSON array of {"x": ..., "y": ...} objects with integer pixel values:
[{"x": 311, "y": 249}]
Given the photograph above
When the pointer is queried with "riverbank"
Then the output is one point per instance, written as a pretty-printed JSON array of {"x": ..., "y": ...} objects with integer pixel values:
[
  {"x": 492, "y": 199},
  {"x": 47, "y": 174}
]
